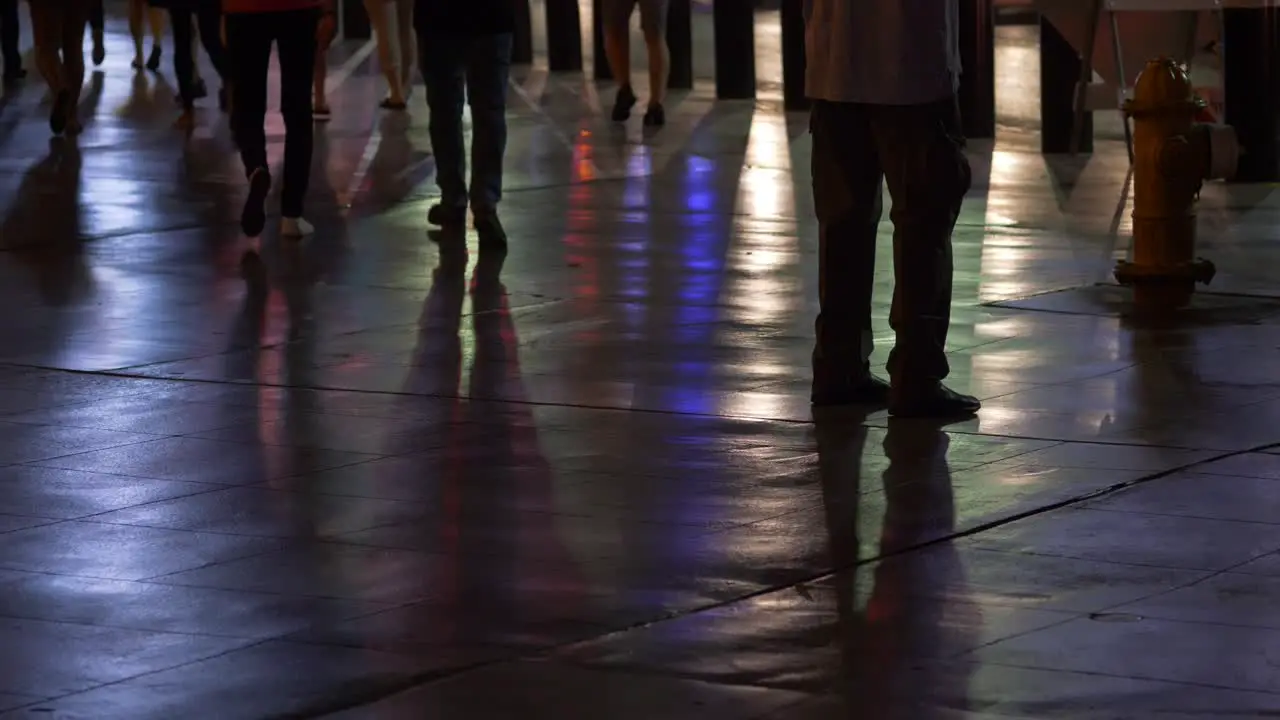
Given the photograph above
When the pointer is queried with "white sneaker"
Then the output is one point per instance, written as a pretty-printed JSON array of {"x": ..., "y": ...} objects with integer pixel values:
[{"x": 295, "y": 227}]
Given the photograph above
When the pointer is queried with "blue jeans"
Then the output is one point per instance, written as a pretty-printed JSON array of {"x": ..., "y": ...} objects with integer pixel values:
[{"x": 474, "y": 69}]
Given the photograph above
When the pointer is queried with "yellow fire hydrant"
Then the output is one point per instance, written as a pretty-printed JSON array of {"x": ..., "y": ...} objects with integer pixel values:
[{"x": 1172, "y": 157}]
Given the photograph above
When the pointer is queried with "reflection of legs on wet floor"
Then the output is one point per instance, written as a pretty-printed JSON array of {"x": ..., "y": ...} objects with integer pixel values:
[{"x": 918, "y": 151}]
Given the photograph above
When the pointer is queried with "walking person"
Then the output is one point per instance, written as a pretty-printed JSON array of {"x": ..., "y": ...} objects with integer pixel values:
[
  {"x": 883, "y": 77},
  {"x": 10, "y": 32},
  {"x": 396, "y": 52},
  {"x": 617, "y": 46},
  {"x": 58, "y": 29},
  {"x": 466, "y": 57},
  {"x": 253, "y": 27},
  {"x": 140, "y": 14},
  {"x": 184, "y": 17}
]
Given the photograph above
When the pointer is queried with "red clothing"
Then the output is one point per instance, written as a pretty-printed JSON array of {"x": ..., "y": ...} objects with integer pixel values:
[{"x": 259, "y": 6}]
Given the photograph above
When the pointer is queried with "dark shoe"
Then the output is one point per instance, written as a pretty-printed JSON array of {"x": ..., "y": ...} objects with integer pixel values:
[
  {"x": 153, "y": 62},
  {"x": 390, "y": 104},
  {"x": 447, "y": 215},
  {"x": 13, "y": 76},
  {"x": 254, "y": 215},
  {"x": 622, "y": 104},
  {"x": 58, "y": 113},
  {"x": 869, "y": 390},
  {"x": 655, "y": 116},
  {"x": 489, "y": 228},
  {"x": 936, "y": 401},
  {"x": 99, "y": 52}
]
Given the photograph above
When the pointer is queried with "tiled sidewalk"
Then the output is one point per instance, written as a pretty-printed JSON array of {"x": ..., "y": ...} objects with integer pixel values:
[{"x": 583, "y": 481}]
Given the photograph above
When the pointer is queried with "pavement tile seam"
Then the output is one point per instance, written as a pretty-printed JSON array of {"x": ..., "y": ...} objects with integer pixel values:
[{"x": 1163, "y": 681}]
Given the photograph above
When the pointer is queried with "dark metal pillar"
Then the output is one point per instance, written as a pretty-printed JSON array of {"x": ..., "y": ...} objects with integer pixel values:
[
  {"x": 522, "y": 42},
  {"x": 793, "y": 58},
  {"x": 978, "y": 63},
  {"x": 355, "y": 21},
  {"x": 1251, "y": 89},
  {"x": 1059, "y": 74},
  {"x": 680, "y": 41},
  {"x": 734, "y": 22},
  {"x": 564, "y": 35}
]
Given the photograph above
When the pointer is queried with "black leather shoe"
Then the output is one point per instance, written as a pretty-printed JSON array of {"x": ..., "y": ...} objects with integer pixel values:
[
  {"x": 869, "y": 390},
  {"x": 935, "y": 401},
  {"x": 447, "y": 215}
]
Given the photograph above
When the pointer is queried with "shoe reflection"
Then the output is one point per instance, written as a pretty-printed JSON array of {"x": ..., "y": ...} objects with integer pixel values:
[{"x": 898, "y": 620}]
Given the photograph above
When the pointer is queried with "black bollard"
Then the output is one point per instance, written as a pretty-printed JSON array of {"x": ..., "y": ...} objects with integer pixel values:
[
  {"x": 735, "y": 52},
  {"x": 355, "y": 21},
  {"x": 1250, "y": 73},
  {"x": 564, "y": 36},
  {"x": 1059, "y": 75},
  {"x": 522, "y": 40},
  {"x": 680, "y": 43},
  {"x": 978, "y": 69},
  {"x": 600, "y": 69},
  {"x": 793, "y": 58}
]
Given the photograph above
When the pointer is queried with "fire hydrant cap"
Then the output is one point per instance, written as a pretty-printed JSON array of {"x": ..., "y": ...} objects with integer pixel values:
[{"x": 1163, "y": 85}]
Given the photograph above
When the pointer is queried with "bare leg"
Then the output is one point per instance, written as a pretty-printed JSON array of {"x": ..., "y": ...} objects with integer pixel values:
[
  {"x": 377, "y": 10},
  {"x": 137, "y": 8},
  {"x": 44, "y": 28},
  {"x": 659, "y": 64},
  {"x": 320, "y": 74}
]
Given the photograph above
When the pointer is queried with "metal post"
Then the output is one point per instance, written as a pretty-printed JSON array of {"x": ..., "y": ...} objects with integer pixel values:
[
  {"x": 978, "y": 68},
  {"x": 680, "y": 43},
  {"x": 1250, "y": 73},
  {"x": 793, "y": 57},
  {"x": 735, "y": 51},
  {"x": 522, "y": 42},
  {"x": 355, "y": 21},
  {"x": 1059, "y": 72},
  {"x": 564, "y": 35}
]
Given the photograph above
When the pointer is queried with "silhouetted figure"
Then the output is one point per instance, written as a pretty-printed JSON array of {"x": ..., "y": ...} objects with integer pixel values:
[
  {"x": 465, "y": 47},
  {"x": 617, "y": 45},
  {"x": 883, "y": 77},
  {"x": 207, "y": 16},
  {"x": 253, "y": 27}
]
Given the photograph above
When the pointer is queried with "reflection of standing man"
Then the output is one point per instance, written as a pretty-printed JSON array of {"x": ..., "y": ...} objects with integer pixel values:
[
  {"x": 883, "y": 76},
  {"x": 9, "y": 34}
]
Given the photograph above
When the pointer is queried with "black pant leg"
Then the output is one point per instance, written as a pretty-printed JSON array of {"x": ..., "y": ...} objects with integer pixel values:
[
  {"x": 928, "y": 175},
  {"x": 296, "y": 48},
  {"x": 183, "y": 54},
  {"x": 249, "y": 39},
  {"x": 488, "y": 61},
  {"x": 847, "y": 179},
  {"x": 444, "y": 73},
  {"x": 209, "y": 20},
  {"x": 9, "y": 34}
]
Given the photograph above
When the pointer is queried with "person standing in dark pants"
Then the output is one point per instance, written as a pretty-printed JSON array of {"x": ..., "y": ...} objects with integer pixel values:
[
  {"x": 9, "y": 34},
  {"x": 98, "y": 26},
  {"x": 465, "y": 50},
  {"x": 253, "y": 26},
  {"x": 883, "y": 77},
  {"x": 207, "y": 15}
]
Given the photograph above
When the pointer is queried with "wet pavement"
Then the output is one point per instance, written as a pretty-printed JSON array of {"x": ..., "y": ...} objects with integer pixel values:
[{"x": 583, "y": 480}]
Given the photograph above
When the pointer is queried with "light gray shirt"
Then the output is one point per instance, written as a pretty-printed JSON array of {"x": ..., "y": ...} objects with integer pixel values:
[{"x": 883, "y": 52}]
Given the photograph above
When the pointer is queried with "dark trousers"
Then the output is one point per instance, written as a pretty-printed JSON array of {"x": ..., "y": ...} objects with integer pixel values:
[
  {"x": 474, "y": 69},
  {"x": 9, "y": 33},
  {"x": 208, "y": 16},
  {"x": 249, "y": 40},
  {"x": 918, "y": 151},
  {"x": 97, "y": 17}
]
